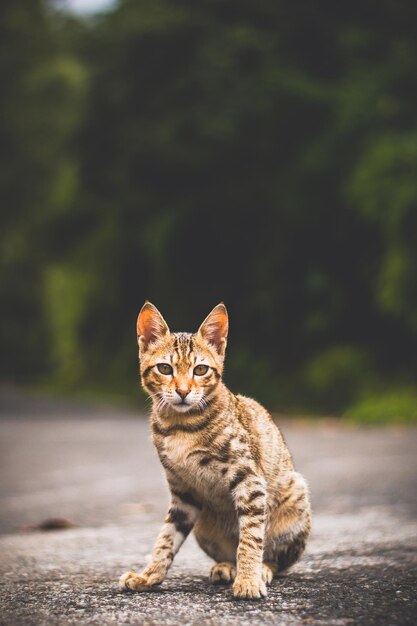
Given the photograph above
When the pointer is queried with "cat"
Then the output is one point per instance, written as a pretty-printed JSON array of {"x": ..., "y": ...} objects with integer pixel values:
[{"x": 229, "y": 471}]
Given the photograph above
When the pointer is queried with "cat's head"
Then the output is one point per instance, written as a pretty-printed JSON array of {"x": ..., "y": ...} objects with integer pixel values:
[{"x": 181, "y": 370}]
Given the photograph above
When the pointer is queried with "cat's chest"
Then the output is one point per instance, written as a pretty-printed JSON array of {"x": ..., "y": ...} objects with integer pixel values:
[
  {"x": 196, "y": 467},
  {"x": 176, "y": 450}
]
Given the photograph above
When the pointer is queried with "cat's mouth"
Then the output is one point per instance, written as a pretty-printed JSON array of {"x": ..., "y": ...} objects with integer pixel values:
[{"x": 183, "y": 406}]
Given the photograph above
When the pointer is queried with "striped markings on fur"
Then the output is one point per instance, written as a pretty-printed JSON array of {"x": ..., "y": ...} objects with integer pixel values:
[{"x": 230, "y": 473}]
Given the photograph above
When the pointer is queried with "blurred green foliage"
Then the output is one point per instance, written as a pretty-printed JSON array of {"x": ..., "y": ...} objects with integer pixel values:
[
  {"x": 264, "y": 154},
  {"x": 398, "y": 406},
  {"x": 337, "y": 375}
]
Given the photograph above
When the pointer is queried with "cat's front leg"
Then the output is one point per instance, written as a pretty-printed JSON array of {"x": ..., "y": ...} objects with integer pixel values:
[
  {"x": 249, "y": 495},
  {"x": 180, "y": 520}
]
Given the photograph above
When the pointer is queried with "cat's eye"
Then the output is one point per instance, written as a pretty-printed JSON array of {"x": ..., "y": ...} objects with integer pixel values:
[
  {"x": 200, "y": 370},
  {"x": 165, "y": 368}
]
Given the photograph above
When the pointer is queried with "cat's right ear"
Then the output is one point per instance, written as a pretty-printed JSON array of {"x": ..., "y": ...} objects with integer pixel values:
[
  {"x": 215, "y": 328},
  {"x": 150, "y": 326}
]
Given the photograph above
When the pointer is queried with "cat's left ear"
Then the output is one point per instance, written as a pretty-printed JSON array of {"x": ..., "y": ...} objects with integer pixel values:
[
  {"x": 150, "y": 326},
  {"x": 215, "y": 328}
]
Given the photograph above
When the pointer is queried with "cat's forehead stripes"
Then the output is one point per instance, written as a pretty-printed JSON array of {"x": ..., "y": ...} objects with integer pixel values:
[{"x": 183, "y": 348}]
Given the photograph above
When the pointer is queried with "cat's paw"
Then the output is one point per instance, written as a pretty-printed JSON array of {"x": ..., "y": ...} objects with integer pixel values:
[
  {"x": 130, "y": 581},
  {"x": 249, "y": 588},
  {"x": 268, "y": 573},
  {"x": 222, "y": 573}
]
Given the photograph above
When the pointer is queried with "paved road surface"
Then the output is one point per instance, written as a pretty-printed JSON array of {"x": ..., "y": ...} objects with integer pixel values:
[{"x": 97, "y": 468}]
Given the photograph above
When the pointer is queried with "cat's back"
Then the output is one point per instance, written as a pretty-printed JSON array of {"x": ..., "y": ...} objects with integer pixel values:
[{"x": 267, "y": 443}]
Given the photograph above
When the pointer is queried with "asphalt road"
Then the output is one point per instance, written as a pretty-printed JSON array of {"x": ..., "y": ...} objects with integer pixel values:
[{"x": 98, "y": 469}]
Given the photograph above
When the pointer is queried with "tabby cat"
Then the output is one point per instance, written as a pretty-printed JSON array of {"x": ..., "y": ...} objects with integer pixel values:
[{"x": 229, "y": 471}]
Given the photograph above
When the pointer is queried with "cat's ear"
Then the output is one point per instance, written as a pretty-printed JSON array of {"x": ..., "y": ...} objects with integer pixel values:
[
  {"x": 150, "y": 326},
  {"x": 215, "y": 327}
]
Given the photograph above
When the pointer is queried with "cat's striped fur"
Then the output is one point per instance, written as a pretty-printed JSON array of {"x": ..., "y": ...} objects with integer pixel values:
[{"x": 230, "y": 473}]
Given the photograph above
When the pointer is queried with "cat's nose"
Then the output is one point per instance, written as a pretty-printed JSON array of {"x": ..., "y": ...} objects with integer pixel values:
[{"x": 183, "y": 393}]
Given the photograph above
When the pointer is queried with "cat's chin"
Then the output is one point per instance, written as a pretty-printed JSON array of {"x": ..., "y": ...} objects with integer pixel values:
[{"x": 183, "y": 408}]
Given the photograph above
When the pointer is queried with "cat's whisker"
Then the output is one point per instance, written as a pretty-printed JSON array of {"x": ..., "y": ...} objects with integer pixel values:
[
  {"x": 160, "y": 403},
  {"x": 157, "y": 394},
  {"x": 202, "y": 403},
  {"x": 155, "y": 397}
]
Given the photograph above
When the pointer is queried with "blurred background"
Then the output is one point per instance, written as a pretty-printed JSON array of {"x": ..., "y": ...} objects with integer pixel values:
[{"x": 260, "y": 153}]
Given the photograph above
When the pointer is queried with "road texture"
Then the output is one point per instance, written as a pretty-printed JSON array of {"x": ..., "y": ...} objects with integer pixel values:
[{"x": 98, "y": 469}]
